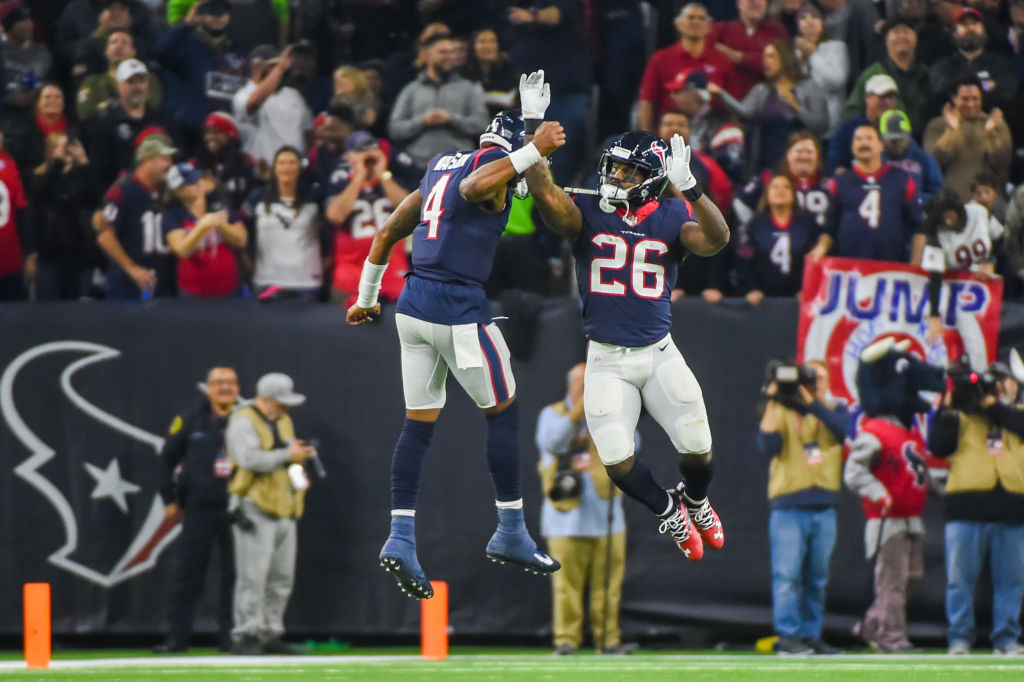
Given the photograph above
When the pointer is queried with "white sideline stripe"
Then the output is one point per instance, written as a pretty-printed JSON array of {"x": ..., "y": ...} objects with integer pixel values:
[{"x": 525, "y": 662}]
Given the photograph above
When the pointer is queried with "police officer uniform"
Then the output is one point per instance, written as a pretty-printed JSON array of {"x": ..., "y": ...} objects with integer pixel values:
[{"x": 197, "y": 471}]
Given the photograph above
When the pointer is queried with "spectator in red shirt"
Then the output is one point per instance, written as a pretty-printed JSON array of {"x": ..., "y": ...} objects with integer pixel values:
[
  {"x": 17, "y": 240},
  {"x": 204, "y": 241},
  {"x": 693, "y": 51},
  {"x": 743, "y": 41},
  {"x": 704, "y": 167}
]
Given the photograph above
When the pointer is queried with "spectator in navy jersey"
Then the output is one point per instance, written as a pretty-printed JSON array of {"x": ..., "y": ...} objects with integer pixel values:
[
  {"x": 128, "y": 226},
  {"x": 778, "y": 237}
]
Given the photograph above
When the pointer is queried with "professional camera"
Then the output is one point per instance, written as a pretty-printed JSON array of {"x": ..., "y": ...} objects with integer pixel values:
[
  {"x": 969, "y": 386},
  {"x": 314, "y": 460},
  {"x": 789, "y": 377},
  {"x": 568, "y": 483}
]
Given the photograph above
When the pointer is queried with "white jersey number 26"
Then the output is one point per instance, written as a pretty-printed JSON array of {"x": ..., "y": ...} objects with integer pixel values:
[{"x": 640, "y": 269}]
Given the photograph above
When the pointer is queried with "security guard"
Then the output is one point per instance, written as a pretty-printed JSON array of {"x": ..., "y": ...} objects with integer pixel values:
[
  {"x": 984, "y": 441},
  {"x": 195, "y": 490}
]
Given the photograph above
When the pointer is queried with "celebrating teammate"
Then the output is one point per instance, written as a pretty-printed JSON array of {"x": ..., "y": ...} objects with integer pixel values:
[
  {"x": 443, "y": 320},
  {"x": 628, "y": 245}
]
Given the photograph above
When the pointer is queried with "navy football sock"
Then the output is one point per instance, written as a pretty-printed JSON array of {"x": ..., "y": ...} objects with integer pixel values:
[
  {"x": 641, "y": 486},
  {"x": 696, "y": 471},
  {"x": 503, "y": 453},
  {"x": 407, "y": 463}
]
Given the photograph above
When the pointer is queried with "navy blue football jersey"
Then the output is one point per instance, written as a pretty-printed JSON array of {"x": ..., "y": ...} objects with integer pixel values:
[
  {"x": 134, "y": 211},
  {"x": 626, "y": 267},
  {"x": 813, "y": 195},
  {"x": 873, "y": 216},
  {"x": 775, "y": 264},
  {"x": 454, "y": 245}
]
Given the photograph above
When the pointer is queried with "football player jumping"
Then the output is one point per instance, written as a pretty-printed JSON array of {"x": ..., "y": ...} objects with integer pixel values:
[
  {"x": 628, "y": 244},
  {"x": 444, "y": 323}
]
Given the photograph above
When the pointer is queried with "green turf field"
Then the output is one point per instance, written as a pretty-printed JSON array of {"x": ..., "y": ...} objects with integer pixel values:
[{"x": 472, "y": 665}]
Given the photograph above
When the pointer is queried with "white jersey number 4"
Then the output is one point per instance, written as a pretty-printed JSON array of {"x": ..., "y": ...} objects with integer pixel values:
[
  {"x": 781, "y": 253},
  {"x": 433, "y": 207},
  {"x": 870, "y": 208}
]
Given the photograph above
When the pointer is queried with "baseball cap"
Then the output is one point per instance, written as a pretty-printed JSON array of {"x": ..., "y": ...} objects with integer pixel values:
[
  {"x": 265, "y": 53},
  {"x": 214, "y": 8},
  {"x": 894, "y": 125},
  {"x": 1001, "y": 370},
  {"x": 360, "y": 141},
  {"x": 183, "y": 174},
  {"x": 693, "y": 79},
  {"x": 12, "y": 12},
  {"x": 968, "y": 13},
  {"x": 222, "y": 122},
  {"x": 880, "y": 84},
  {"x": 128, "y": 68},
  {"x": 898, "y": 20},
  {"x": 155, "y": 144},
  {"x": 280, "y": 388}
]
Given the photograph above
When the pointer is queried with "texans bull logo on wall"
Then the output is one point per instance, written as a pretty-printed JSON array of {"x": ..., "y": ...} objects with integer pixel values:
[
  {"x": 847, "y": 304},
  {"x": 109, "y": 488}
]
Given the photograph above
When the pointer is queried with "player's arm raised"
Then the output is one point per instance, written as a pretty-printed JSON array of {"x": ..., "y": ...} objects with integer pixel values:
[
  {"x": 710, "y": 233},
  {"x": 556, "y": 209},
  {"x": 399, "y": 225},
  {"x": 488, "y": 184}
]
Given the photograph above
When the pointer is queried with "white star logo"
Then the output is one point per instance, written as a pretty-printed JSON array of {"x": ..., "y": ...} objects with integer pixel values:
[{"x": 110, "y": 484}]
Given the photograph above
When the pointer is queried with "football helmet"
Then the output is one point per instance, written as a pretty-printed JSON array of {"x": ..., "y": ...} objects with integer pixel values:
[
  {"x": 507, "y": 131},
  {"x": 643, "y": 156}
]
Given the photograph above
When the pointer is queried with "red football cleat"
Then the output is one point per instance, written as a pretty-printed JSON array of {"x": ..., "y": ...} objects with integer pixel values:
[
  {"x": 679, "y": 525},
  {"x": 707, "y": 523}
]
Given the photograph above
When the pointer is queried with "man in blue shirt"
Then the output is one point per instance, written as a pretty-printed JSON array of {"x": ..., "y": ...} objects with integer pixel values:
[{"x": 583, "y": 522}]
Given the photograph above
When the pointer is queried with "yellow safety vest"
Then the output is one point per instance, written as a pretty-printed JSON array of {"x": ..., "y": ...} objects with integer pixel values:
[
  {"x": 978, "y": 465},
  {"x": 811, "y": 456},
  {"x": 272, "y": 491}
]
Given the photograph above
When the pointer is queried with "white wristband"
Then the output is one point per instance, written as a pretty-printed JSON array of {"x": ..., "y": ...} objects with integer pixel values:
[
  {"x": 933, "y": 259},
  {"x": 369, "y": 283},
  {"x": 525, "y": 157}
]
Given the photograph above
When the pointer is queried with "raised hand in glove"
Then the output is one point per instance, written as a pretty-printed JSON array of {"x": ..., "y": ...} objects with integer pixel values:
[
  {"x": 534, "y": 95},
  {"x": 677, "y": 165}
]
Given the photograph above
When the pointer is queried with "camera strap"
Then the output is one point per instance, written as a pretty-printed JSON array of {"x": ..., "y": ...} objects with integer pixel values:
[{"x": 272, "y": 425}]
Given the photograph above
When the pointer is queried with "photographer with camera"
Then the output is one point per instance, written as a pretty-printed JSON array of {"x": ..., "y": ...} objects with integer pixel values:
[
  {"x": 980, "y": 429},
  {"x": 269, "y": 485},
  {"x": 582, "y": 520},
  {"x": 802, "y": 430}
]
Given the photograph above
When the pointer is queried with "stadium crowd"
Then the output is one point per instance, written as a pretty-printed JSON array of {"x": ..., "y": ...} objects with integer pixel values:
[
  {"x": 253, "y": 148},
  {"x": 230, "y": 148}
]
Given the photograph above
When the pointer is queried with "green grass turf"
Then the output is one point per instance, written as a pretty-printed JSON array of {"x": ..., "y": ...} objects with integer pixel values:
[{"x": 373, "y": 665}]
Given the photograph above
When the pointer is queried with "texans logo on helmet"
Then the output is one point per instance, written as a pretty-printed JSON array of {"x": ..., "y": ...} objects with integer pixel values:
[
  {"x": 659, "y": 151},
  {"x": 115, "y": 507}
]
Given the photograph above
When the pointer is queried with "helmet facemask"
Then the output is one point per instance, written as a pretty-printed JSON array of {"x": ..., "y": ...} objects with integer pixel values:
[{"x": 639, "y": 184}]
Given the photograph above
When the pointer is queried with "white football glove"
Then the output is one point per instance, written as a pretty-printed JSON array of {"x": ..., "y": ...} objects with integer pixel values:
[
  {"x": 677, "y": 165},
  {"x": 534, "y": 95}
]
